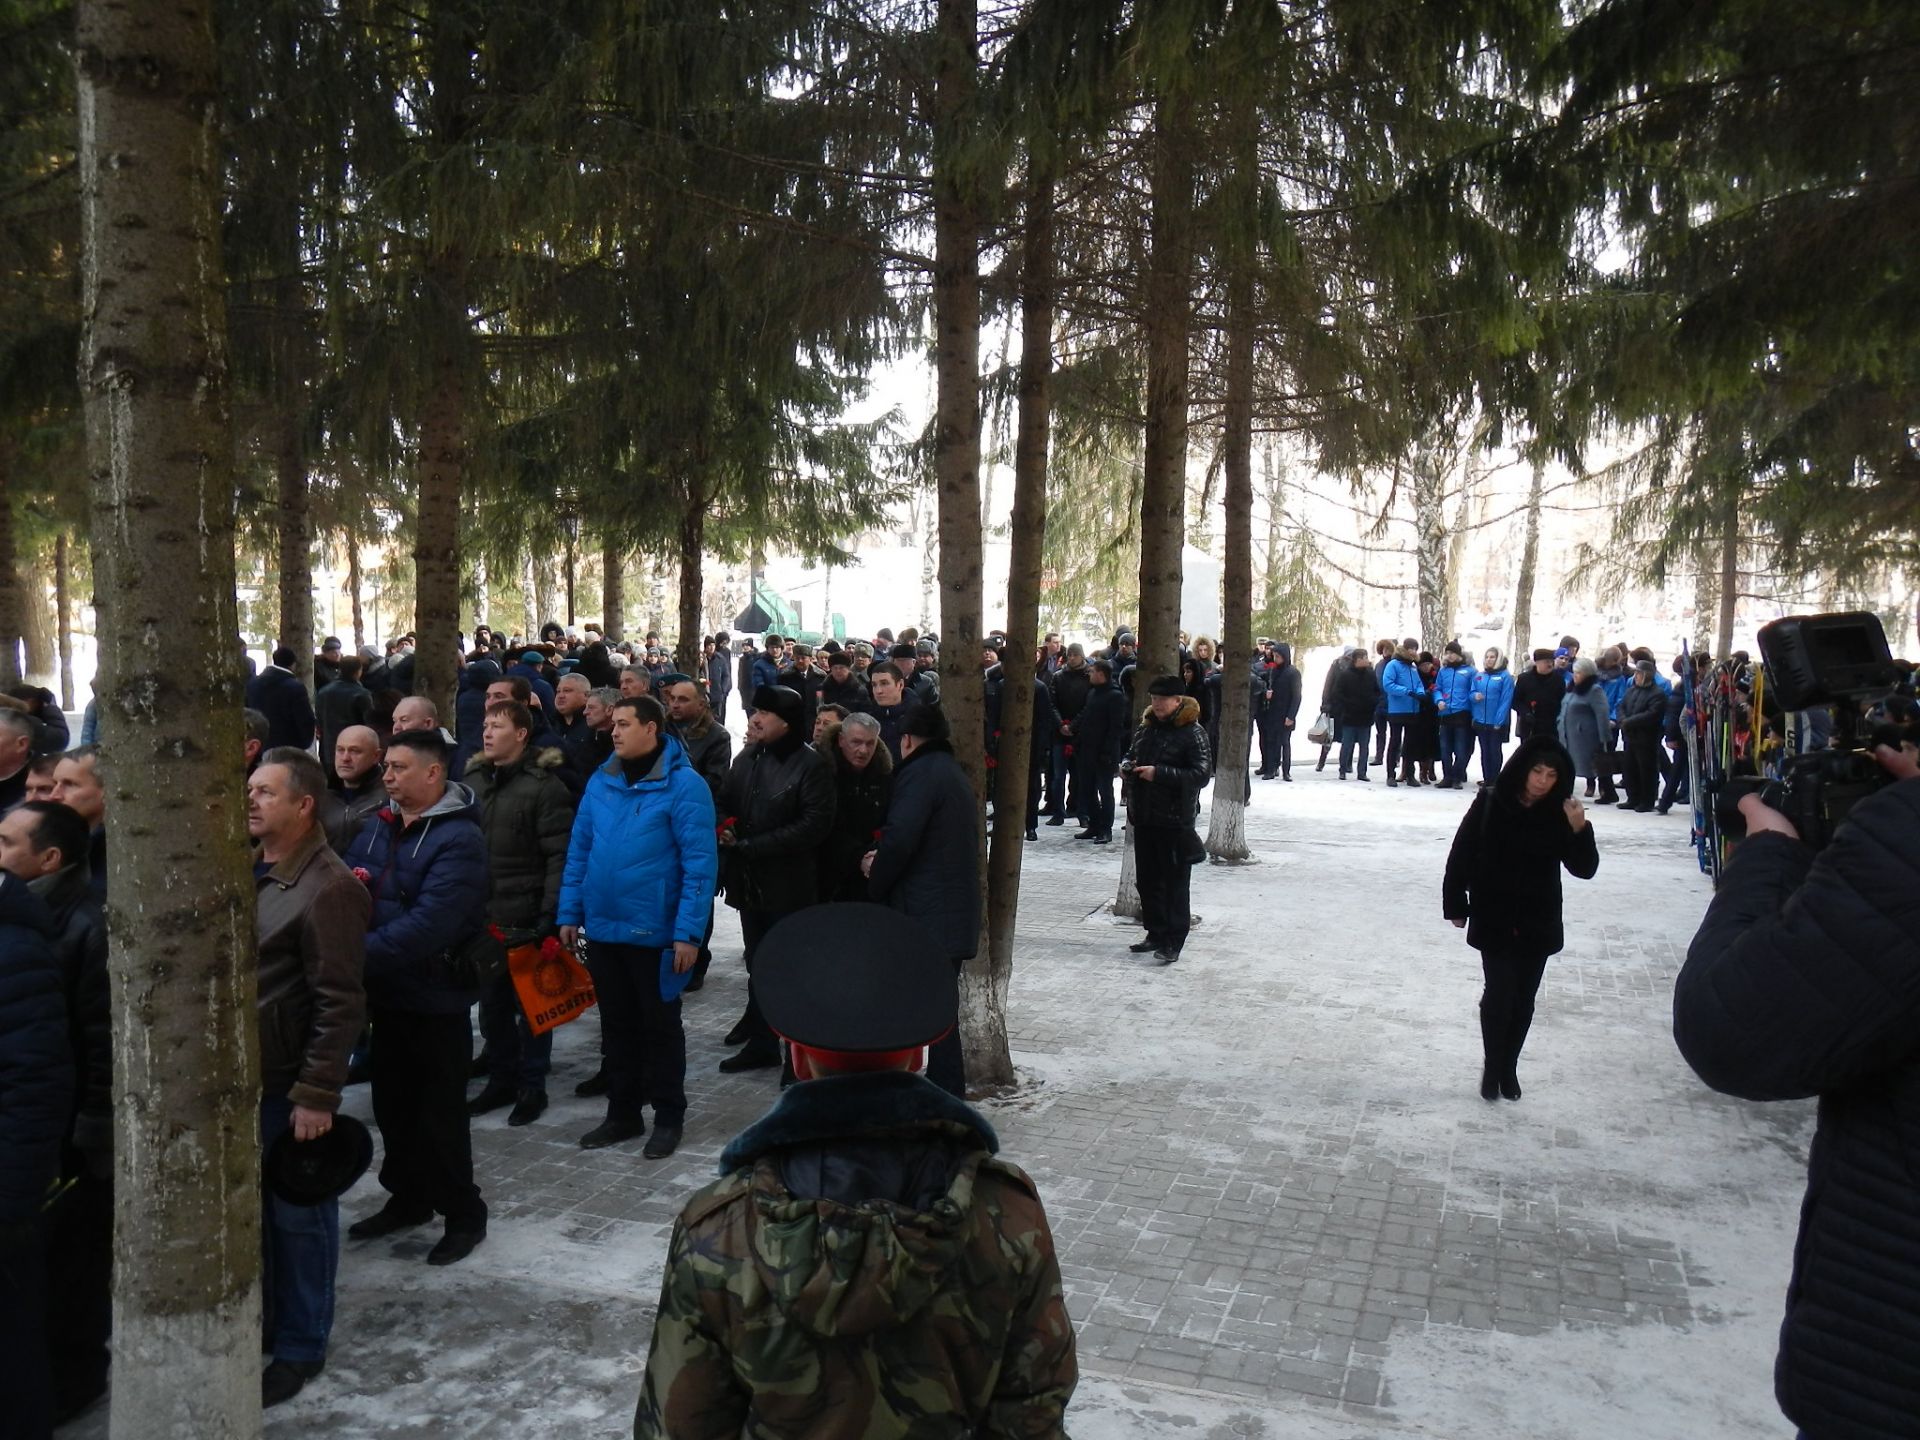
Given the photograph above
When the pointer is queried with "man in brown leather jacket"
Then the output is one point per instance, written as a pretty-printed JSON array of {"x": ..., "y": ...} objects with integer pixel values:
[{"x": 312, "y": 919}]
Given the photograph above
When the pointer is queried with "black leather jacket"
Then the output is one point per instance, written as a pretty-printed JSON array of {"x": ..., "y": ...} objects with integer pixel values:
[
  {"x": 780, "y": 798},
  {"x": 1177, "y": 749}
]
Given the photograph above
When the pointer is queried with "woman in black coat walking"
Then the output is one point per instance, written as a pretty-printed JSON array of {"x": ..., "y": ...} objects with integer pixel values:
[{"x": 1503, "y": 888}]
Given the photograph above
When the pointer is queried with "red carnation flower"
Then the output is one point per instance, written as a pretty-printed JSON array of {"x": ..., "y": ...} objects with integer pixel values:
[{"x": 363, "y": 875}]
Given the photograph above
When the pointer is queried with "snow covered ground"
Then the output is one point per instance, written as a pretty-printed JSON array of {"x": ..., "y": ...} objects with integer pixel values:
[{"x": 1281, "y": 1205}]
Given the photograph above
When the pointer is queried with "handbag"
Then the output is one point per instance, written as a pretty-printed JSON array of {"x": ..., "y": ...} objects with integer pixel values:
[
  {"x": 1322, "y": 730},
  {"x": 479, "y": 960},
  {"x": 553, "y": 986}
]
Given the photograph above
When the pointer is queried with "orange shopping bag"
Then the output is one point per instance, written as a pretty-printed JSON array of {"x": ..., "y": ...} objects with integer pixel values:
[{"x": 553, "y": 986}]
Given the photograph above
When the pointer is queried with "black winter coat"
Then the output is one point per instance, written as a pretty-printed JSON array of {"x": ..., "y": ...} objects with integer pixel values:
[
  {"x": 849, "y": 695},
  {"x": 928, "y": 865},
  {"x": 1356, "y": 696},
  {"x": 279, "y": 695},
  {"x": 1804, "y": 980},
  {"x": 860, "y": 800},
  {"x": 336, "y": 707},
  {"x": 1503, "y": 872},
  {"x": 526, "y": 813},
  {"x": 1536, "y": 702},
  {"x": 711, "y": 755},
  {"x": 1177, "y": 749},
  {"x": 80, "y": 940},
  {"x": 1100, "y": 734},
  {"x": 1070, "y": 690},
  {"x": 1642, "y": 710},
  {"x": 36, "y": 1066},
  {"x": 780, "y": 798}
]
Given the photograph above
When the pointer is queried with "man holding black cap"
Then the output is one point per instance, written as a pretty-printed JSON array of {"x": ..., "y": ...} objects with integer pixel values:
[
  {"x": 1165, "y": 768},
  {"x": 765, "y": 1326},
  {"x": 312, "y": 920},
  {"x": 776, "y": 810}
]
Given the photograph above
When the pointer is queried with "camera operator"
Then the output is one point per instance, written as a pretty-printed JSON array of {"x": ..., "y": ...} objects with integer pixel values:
[{"x": 1804, "y": 980}]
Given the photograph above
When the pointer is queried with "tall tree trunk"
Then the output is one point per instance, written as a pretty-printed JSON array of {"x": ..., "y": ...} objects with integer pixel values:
[
  {"x": 989, "y": 1061},
  {"x": 294, "y": 515},
  {"x": 956, "y": 425},
  {"x": 1470, "y": 477},
  {"x": 436, "y": 551},
  {"x": 482, "y": 594},
  {"x": 1168, "y": 306},
  {"x": 63, "y": 616},
  {"x": 956, "y": 434},
  {"x": 1430, "y": 546},
  {"x": 1126, "y": 900},
  {"x": 1227, "y": 824},
  {"x": 1521, "y": 627},
  {"x": 442, "y": 466},
  {"x": 613, "y": 587},
  {"x": 657, "y": 597},
  {"x": 293, "y": 510},
  {"x": 37, "y": 612},
  {"x": 1729, "y": 575},
  {"x": 929, "y": 571},
  {"x": 356, "y": 589},
  {"x": 186, "y": 1303},
  {"x": 693, "y": 538},
  {"x": 12, "y": 612},
  {"x": 529, "y": 595}
]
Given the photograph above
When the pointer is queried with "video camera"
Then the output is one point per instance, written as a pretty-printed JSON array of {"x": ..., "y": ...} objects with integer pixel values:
[{"x": 1814, "y": 661}]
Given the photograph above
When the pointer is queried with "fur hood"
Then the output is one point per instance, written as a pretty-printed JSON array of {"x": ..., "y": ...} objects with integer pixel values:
[
  {"x": 546, "y": 757},
  {"x": 1187, "y": 713},
  {"x": 1512, "y": 781}
]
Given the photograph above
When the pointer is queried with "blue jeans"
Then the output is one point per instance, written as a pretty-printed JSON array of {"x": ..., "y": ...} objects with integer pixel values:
[
  {"x": 1456, "y": 749},
  {"x": 299, "y": 1253},
  {"x": 1492, "y": 752},
  {"x": 517, "y": 1058},
  {"x": 1058, "y": 774},
  {"x": 1352, "y": 738}
]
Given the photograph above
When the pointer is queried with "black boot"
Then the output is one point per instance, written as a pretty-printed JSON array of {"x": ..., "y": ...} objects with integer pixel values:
[
  {"x": 284, "y": 1379},
  {"x": 594, "y": 1084},
  {"x": 494, "y": 1097},
  {"x": 1489, "y": 1082},
  {"x": 741, "y": 1029},
  {"x": 1510, "y": 1086}
]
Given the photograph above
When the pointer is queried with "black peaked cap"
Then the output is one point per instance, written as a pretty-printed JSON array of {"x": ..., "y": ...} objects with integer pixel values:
[{"x": 844, "y": 977}]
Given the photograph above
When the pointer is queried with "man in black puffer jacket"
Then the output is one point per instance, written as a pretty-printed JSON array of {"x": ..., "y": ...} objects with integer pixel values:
[
  {"x": 776, "y": 810},
  {"x": 1165, "y": 768},
  {"x": 1804, "y": 980}
]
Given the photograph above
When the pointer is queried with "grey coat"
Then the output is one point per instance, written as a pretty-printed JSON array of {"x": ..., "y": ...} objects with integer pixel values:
[{"x": 1583, "y": 728}]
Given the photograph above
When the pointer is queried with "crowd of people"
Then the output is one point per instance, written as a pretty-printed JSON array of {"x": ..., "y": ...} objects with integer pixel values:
[{"x": 589, "y": 794}]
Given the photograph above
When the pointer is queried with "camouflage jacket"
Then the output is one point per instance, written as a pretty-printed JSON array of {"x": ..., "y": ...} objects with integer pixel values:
[{"x": 784, "y": 1317}]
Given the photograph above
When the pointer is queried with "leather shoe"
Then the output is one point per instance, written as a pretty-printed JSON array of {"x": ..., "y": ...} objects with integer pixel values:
[
  {"x": 1510, "y": 1087},
  {"x": 386, "y": 1220},
  {"x": 1103, "y": 839},
  {"x": 284, "y": 1379},
  {"x": 1056, "y": 820},
  {"x": 1143, "y": 946},
  {"x": 738, "y": 1034},
  {"x": 1166, "y": 955},
  {"x": 1032, "y": 834},
  {"x": 1086, "y": 834},
  {"x": 1489, "y": 1084},
  {"x": 662, "y": 1143},
  {"x": 594, "y": 1084},
  {"x": 612, "y": 1132},
  {"x": 494, "y": 1097},
  {"x": 455, "y": 1245},
  {"x": 531, "y": 1105},
  {"x": 750, "y": 1059}
]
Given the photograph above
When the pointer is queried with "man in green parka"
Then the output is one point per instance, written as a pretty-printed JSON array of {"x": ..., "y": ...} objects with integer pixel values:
[{"x": 865, "y": 1265}]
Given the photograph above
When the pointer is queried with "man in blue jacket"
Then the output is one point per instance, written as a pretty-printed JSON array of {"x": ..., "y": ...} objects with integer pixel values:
[
  {"x": 424, "y": 859},
  {"x": 638, "y": 886},
  {"x": 1401, "y": 683}
]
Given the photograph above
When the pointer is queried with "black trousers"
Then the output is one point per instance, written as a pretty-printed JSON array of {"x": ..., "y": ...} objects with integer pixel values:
[
  {"x": 420, "y": 1065},
  {"x": 754, "y": 925},
  {"x": 1506, "y": 1005},
  {"x": 1642, "y": 776},
  {"x": 1276, "y": 745},
  {"x": 946, "y": 1062},
  {"x": 23, "y": 1331},
  {"x": 1400, "y": 746},
  {"x": 1165, "y": 881},
  {"x": 1095, "y": 792},
  {"x": 79, "y": 1230},
  {"x": 645, "y": 1043},
  {"x": 1675, "y": 791}
]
